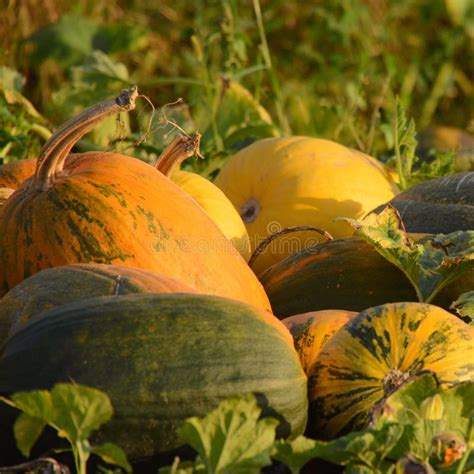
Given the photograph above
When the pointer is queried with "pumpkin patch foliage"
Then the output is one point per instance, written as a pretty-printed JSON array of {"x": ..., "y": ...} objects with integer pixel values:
[{"x": 236, "y": 237}]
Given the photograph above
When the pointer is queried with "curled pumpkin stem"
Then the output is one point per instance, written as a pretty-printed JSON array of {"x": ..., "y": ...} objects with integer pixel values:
[
  {"x": 54, "y": 152},
  {"x": 266, "y": 242},
  {"x": 180, "y": 149}
]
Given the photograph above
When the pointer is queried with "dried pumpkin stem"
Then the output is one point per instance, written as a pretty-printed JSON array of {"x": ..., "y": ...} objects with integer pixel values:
[
  {"x": 180, "y": 149},
  {"x": 56, "y": 149},
  {"x": 266, "y": 242}
]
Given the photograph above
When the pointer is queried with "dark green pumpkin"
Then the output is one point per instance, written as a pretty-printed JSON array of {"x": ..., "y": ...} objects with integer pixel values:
[
  {"x": 343, "y": 274},
  {"x": 62, "y": 285},
  {"x": 161, "y": 359},
  {"x": 438, "y": 206}
]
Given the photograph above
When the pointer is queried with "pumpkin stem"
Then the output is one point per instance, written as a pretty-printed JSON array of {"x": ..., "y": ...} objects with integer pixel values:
[
  {"x": 393, "y": 380},
  {"x": 266, "y": 242},
  {"x": 54, "y": 152},
  {"x": 180, "y": 149}
]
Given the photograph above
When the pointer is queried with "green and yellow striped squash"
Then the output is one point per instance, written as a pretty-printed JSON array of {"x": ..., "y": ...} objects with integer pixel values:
[
  {"x": 312, "y": 330},
  {"x": 161, "y": 359},
  {"x": 374, "y": 353}
]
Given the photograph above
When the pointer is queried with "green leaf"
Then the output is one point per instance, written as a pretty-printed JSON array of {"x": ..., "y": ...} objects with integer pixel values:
[
  {"x": 431, "y": 417},
  {"x": 97, "y": 78},
  {"x": 367, "y": 448},
  {"x": 37, "y": 403},
  {"x": 27, "y": 429},
  {"x": 79, "y": 410},
  {"x": 405, "y": 144},
  {"x": 240, "y": 119},
  {"x": 98, "y": 67},
  {"x": 112, "y": 454},
  {"x": 430, "y": 263},
  {"x": 73, "y": 410},
  {"x": 232, "y": 439},
  {"x": 364, "y": 451},
  {"x": 68, "y": 41},
  {"x": 296, "y": 453},
  {"x": 118, "y": 37},
  {"x": 464, "y": 306}
]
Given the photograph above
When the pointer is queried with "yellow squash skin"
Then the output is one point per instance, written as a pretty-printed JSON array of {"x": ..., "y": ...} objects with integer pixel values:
[
  {"x": 312, "y": 330},
  {"x": 281, "y": 182},
  {"x": 377, "y": 351},
  {"x": 215, "y": 203}
]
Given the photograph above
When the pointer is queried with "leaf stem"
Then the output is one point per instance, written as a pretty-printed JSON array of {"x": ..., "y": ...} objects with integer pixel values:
[
  {"x": 283, "y": 121},
  {"x": 398, "y": 155},
  {"x": 465, "y": 458}
]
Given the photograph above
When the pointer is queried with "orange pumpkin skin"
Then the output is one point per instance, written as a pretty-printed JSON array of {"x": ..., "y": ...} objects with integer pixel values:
[
  {"x": 312, "y": 330},
  {"x": 110, "y": 208},
  {"x": 14, "y": 173}
]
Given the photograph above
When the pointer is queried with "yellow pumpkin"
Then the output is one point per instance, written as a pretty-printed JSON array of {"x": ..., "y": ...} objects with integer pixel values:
[
  {"x": 217, "y": 206},
  {"x": 209, "y": 197},
  {"x": 277, "y": 183}
]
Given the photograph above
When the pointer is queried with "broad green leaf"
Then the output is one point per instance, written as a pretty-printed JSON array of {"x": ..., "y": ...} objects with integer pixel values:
[
  {"x": 364, "y": 451},
  {"x": 112, "y": 454},
  {"x": 79, "y": 410},
  {"x": 68, "y": 41},
  {"x": 232, "y": 439},
  {"x": 296, "y": 453},
  {"x": 429, "y": 416},
  {"x": 366, "y": 448},
  {"x": 239, "y": 119},
  {"x": 27, "y": 429},
  {"x": 97, "y": 78},
  {"x": 37, "y": 403},
  {"x": 464, "y": 306},
  {"x": 98, "y": 67},
  {"x": 430, "y": 263},
  {"x": 118, "y": 37}
]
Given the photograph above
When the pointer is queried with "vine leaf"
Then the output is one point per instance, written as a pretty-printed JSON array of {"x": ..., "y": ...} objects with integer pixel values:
[
  {"x": 430, "y": 263},
  {"x": 232, "y": 438}
]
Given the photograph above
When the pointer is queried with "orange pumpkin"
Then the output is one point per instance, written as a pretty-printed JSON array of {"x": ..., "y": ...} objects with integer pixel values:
[
  {"x": 14, "y": 173},
  {"x": 111, "y": 208}
]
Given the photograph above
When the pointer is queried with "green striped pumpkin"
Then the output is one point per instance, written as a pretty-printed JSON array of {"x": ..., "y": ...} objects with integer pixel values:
[
  {"x": 66, "y": 284},
  {"x": 377, "y": 351},
  {"x": 438, "y": 206},
  {"x": 161, "y": 359},
  {"x": 344, "y": 274}
]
